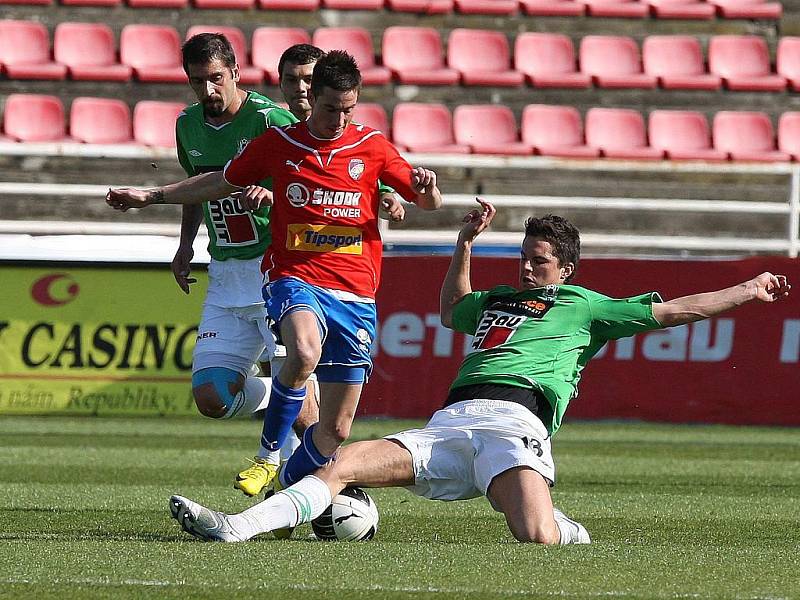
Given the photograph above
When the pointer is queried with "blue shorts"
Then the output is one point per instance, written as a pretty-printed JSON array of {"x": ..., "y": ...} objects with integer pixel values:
[{"x": 347, "y": 329}]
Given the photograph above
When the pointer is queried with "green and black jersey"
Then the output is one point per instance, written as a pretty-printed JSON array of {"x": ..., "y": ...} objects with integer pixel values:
[
  {"x": 543, "y": 337},
  {"x": 233, "y": 232}
]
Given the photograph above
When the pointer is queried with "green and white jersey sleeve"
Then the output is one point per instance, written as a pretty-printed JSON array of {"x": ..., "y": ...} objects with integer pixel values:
[
  {"x": 233, "y": 232},
  {"x": 543, "y": 338}
]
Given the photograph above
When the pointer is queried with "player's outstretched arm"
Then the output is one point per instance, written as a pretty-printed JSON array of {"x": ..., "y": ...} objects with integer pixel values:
[
  {"x": 195, "y": 190},
  {"x": 424, "y": 183},
  {"x": 765, "y": 288},
  {"x": 457, "y": 283}
]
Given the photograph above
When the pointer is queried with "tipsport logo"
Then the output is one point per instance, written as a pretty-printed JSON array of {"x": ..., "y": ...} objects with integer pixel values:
[{"x": 324, "y": 238}]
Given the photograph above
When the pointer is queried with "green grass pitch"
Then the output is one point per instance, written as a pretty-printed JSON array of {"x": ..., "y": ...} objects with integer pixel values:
[{"x": 674, "y": 511}]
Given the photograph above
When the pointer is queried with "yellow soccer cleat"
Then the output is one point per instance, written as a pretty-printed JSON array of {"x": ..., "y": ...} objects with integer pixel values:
[{"x": 256, "y": 477}]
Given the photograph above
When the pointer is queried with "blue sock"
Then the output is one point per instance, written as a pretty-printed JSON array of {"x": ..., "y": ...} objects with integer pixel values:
[
  {"x": 284, "y": 406},
  {"x": 305, "y": 460}
]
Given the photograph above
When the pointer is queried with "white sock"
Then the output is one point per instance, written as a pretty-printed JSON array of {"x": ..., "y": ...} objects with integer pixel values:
[
  {"x": 571, "y": 532},
  {"x": 299, "y": 503},
  {"x": 292, "y": 443},
  {"x": 253, "y": 397}
]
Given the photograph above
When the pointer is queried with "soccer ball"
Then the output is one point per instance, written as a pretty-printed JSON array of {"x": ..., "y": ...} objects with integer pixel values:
[{"x": 352, "y": 516}]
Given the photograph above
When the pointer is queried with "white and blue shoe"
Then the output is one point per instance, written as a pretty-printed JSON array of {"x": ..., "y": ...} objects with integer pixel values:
[{"x": 203, "y": 523}]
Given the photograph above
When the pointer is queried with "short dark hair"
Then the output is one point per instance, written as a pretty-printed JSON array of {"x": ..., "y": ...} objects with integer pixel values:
[
  {"x": 562, "y": 235},
  {"x": 205, "y": 47},
  {"x": 336, "y": 70},
  {"x": 299, "y": 54}
]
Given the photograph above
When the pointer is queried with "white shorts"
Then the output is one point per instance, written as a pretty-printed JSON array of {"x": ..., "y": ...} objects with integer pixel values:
[
  {"x": 233, "y": 331},
  {"x": 466, "y": 445},
  {"x": 233, "y": 338}
]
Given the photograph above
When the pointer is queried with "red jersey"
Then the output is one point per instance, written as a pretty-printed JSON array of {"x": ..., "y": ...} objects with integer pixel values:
[{"x": 324, "y": 216}]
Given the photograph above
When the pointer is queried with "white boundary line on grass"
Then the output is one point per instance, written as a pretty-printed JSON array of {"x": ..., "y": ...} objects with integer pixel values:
[{"x": 105, "y": 581}]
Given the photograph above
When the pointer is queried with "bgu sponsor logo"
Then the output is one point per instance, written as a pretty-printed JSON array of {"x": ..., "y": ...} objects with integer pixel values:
[
  {"x": 233, "y": 225},
  {"x": 495, "y": 328}
]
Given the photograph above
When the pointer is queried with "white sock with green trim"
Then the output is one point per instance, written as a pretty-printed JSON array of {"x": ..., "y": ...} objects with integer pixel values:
[{"x": 299, "y": 503}]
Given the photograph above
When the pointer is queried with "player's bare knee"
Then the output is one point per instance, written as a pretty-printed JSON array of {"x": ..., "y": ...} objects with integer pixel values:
[
  {"x": 306, "y": 357},
  {"x": 208, "y": 402}
]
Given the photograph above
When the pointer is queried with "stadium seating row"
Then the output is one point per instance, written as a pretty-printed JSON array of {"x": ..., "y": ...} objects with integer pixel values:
[
  {"x": 414, "y": 55},
  {"x": 669, "y": 9},
  {"x": 483, "y": 129}
]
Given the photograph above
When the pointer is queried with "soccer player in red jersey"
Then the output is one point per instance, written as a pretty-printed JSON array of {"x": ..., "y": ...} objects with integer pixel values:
[{"x": 323, "y": 265}]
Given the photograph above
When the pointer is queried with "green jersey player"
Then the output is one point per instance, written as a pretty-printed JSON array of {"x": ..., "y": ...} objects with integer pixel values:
[{"x": 492, "y": 437}]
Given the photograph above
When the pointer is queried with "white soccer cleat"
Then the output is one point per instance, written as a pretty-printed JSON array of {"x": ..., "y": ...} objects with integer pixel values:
[
  {"x": 572, "y": 532},
  {"x": 203, "y": 523}
]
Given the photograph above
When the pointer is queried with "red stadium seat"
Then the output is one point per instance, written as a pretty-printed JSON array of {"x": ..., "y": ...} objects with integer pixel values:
[
  {"x": 415, "y": 56},
  {"x": 553, "y": 8},
  {"x": 617, "y": 8},
  {"x": 248, "y": 74},
  {"x": 486, "y": 7},
  {"x": 89, "y": 51},
  {"x": 268, "y": 45},
  {"x": 619, "y": 133},
  {"x": 154, "y": 122},
  {"x": 482, "y": 57},
  {"x": 34, "y": 2},
  {"x": 157, "y": 3},
  {"x": 353, "y": 4},
  {"x": 424, "y": 7},
  {"x": 424, "y": 128},
  {"x": 372, "y": 115},
  {"x": 91, "y": 2},
  {"x": 677, "y": 61},
  {"x": 34, "y": 118},
  {"x": 746, "y": 136},
  {"x": 613, "y": 62},
  {"x": 548, "y": 60},
  {"x": 555, "y": 131},
  {"x": 789, "y": 134},
  {"x": 748, "y": 9},
  {"x": 683, "y": 135},
  {"x": 787, "y": 61},
  {"x": 682, "y": 9},
  {"x": 743, "y": 63},
  {"x": 100, "y": 121},
  {"x": 225, "y": 4},
  {"x": 25, "y": 51},
  {"x": 154, "y": 52},
  {"x": 289, "y": 4},
  {"x": 357, "y": 42},
  {"x": 488, "y": 129}
]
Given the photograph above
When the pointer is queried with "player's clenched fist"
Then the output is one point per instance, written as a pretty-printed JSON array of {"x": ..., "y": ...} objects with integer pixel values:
[
  {"x": 392, "y": 208},
  {"x": 254, "y": 197},
  {"x": 125, "y": 198},
  {"x": 422, "y": 179},
  {"x": 769, "y": 288}
]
